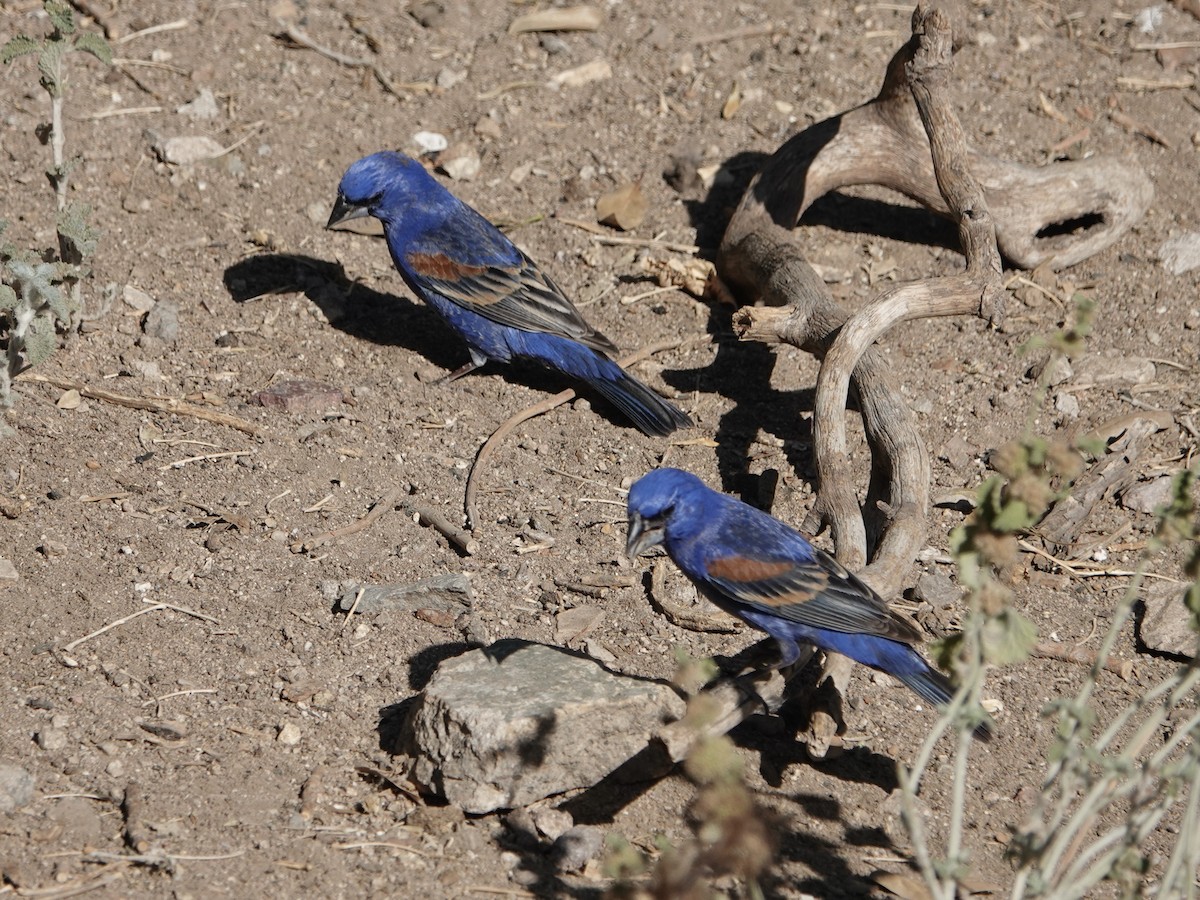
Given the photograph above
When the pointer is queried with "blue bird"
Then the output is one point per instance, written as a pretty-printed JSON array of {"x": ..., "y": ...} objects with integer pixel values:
[
  {"x": 757, "y": 568},
  {"x": 486, "y": 289}
]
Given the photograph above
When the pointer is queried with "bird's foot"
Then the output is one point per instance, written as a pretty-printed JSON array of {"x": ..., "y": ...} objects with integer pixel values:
[{"x": 458, "y": 373}]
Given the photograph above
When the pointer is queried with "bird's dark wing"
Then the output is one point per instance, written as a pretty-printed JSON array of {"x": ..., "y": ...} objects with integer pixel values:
[
  {"x": 519, "y": 294},
  {"x": 816, "y": 591}
]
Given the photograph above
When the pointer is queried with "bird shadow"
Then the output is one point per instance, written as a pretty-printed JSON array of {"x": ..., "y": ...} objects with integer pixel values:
[
  {"x": 384, "y": 319},
  {"x": 349, "y": 305}
]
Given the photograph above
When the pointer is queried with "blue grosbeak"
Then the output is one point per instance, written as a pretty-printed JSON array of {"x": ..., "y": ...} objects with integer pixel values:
[
  {"x": 757, "y": 568},
  {"x": 486, "y": 289}
]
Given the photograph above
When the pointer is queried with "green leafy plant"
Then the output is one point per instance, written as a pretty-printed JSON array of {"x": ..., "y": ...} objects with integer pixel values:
[
  {"x": 732, "y": 835},
  {"x": 1098, "y": 779},
  {"x": 39, "y": 298}
]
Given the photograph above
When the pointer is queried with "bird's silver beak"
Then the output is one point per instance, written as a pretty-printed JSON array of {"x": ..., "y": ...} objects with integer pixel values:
[
  {"x": 345, "y": 212},
  {"x": 642, "y": 536}
]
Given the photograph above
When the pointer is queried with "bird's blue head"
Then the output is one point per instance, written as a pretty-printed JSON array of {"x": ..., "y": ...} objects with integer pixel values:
[
  {"x": 384, "y": 185},
  {"x": 651, "y": 503}
]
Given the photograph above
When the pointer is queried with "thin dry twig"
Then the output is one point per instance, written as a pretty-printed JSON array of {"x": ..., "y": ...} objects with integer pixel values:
[
  {"x": 388, "y": 501},
  {"x": 1123, "y": 668},
  {"x": 154, "y": 607},
  {"x": 225, "y": 454},
  {"x": 154, "y": 404},
  {"x": 431, "y": 518},
  {"x": 391, "y": 845},
  {"x": 177, "y": 25},
  {"x": 353, "y": 608},
  {"x": 102, "y": 878},
  {"x": 735, "y": 34},
  {"x": 544, "y": 406},
  {"x": 300, "y": 36}
]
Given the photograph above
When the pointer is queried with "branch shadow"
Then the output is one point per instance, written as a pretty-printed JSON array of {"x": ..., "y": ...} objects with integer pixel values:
[{"x": 741, "y": 370}]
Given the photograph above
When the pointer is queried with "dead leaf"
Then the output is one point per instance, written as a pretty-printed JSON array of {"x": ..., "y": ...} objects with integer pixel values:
[
  {"x": 69, "y": 400},
  {"x": 907, "y": 887},
  {"x": 574, "y": 18},
  {"x": 691, "y": 275},
  {"x": 624, "y": 208},
  {"x": 732, "y": 102}
]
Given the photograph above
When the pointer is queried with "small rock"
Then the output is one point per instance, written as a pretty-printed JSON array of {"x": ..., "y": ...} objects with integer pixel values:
[
  {"x": 552, "y": 822},
  {"x": 1167, "y": 623},
  {"x": 1112, "y": 367},
  {"x": 1147, "y": 496},
  {"x": 554, "y": 45},
  {"x": 577, "y": 846},
  {"x": 1053, "y": 370},
  {"x": 162, "y": 322},
  {"x": 515, "y": 722},
  {"x": 428, "y": 142},
  {"x": 165, "y": 729},
  {"x": 8, "y": 572},
  {"x": 147, "y": 368},
  {"x": 1181, "y": 253},
  {"x": 137, "y": 299},
  {"x": 300, "y": 396},
  {"x": 289, "y": 734},
  {"x": 429, "y": 13},
  {"x": 1149, "y": 18},
  {"x": 187, "y": 151},
  {"x": 957, "y": 452},
  {"x": 1067, "y": 404},
  {"x": 487, "y": 127},
  {"x": 78, "y": 817},
  {"x": 460, "y": 162},
  {"x": 448, "y": 78},
  {"x": 16, "y": 788},
  {"x": 52, "y": 739},
  {"x": 52, "y": 549},
  {"x": 599, "y": 652},
  {"x": 596, "y": 70},
  {"x": 203, "y": 107},
  {"x": 317, "y": 212},
  {"x": 684, "y": 174},
  {"x": 937, "y": 590}
]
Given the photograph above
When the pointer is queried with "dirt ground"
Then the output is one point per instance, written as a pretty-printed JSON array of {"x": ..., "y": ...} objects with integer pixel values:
[{"x": 219, "y": 708}]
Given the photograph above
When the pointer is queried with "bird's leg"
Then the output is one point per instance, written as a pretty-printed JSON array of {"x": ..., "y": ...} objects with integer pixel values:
[
  {"x": 458, "y": 373},
  {"x": 478, "y": 358}
]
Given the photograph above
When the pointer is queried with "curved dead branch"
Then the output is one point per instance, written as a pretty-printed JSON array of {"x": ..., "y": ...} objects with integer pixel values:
[
  {"x": 531, "y": 412},
  {"x": 907, "y": 139}
]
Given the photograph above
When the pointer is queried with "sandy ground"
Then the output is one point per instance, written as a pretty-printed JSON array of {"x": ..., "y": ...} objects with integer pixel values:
[{"x": 221, "y": 704}]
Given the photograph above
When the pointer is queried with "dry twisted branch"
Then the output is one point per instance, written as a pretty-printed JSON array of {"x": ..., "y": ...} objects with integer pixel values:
[{"x": 908, "y": 139}]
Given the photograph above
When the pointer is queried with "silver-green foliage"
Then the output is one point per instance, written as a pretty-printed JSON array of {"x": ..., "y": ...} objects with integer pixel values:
[
  {"x": 1107, "y": 785},
  {"x": 39, "y": 298}
]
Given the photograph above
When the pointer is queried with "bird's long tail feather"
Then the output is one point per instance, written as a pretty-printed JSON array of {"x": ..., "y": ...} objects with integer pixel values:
[
  {"x": 935, "y": 687},
  {"x": 646, "y": 409}
]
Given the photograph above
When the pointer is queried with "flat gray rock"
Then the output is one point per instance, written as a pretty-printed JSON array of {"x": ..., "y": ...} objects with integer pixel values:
[
  {"x": 16, "y": 788},
  {"x": 1167, "y": 623},
  {"x": 448, "y": 592},
  {"x": 515, "y": 722}
]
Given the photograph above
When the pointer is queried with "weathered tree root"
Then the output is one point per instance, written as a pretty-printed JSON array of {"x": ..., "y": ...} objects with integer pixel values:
[{"x": 908, "y": 139}]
